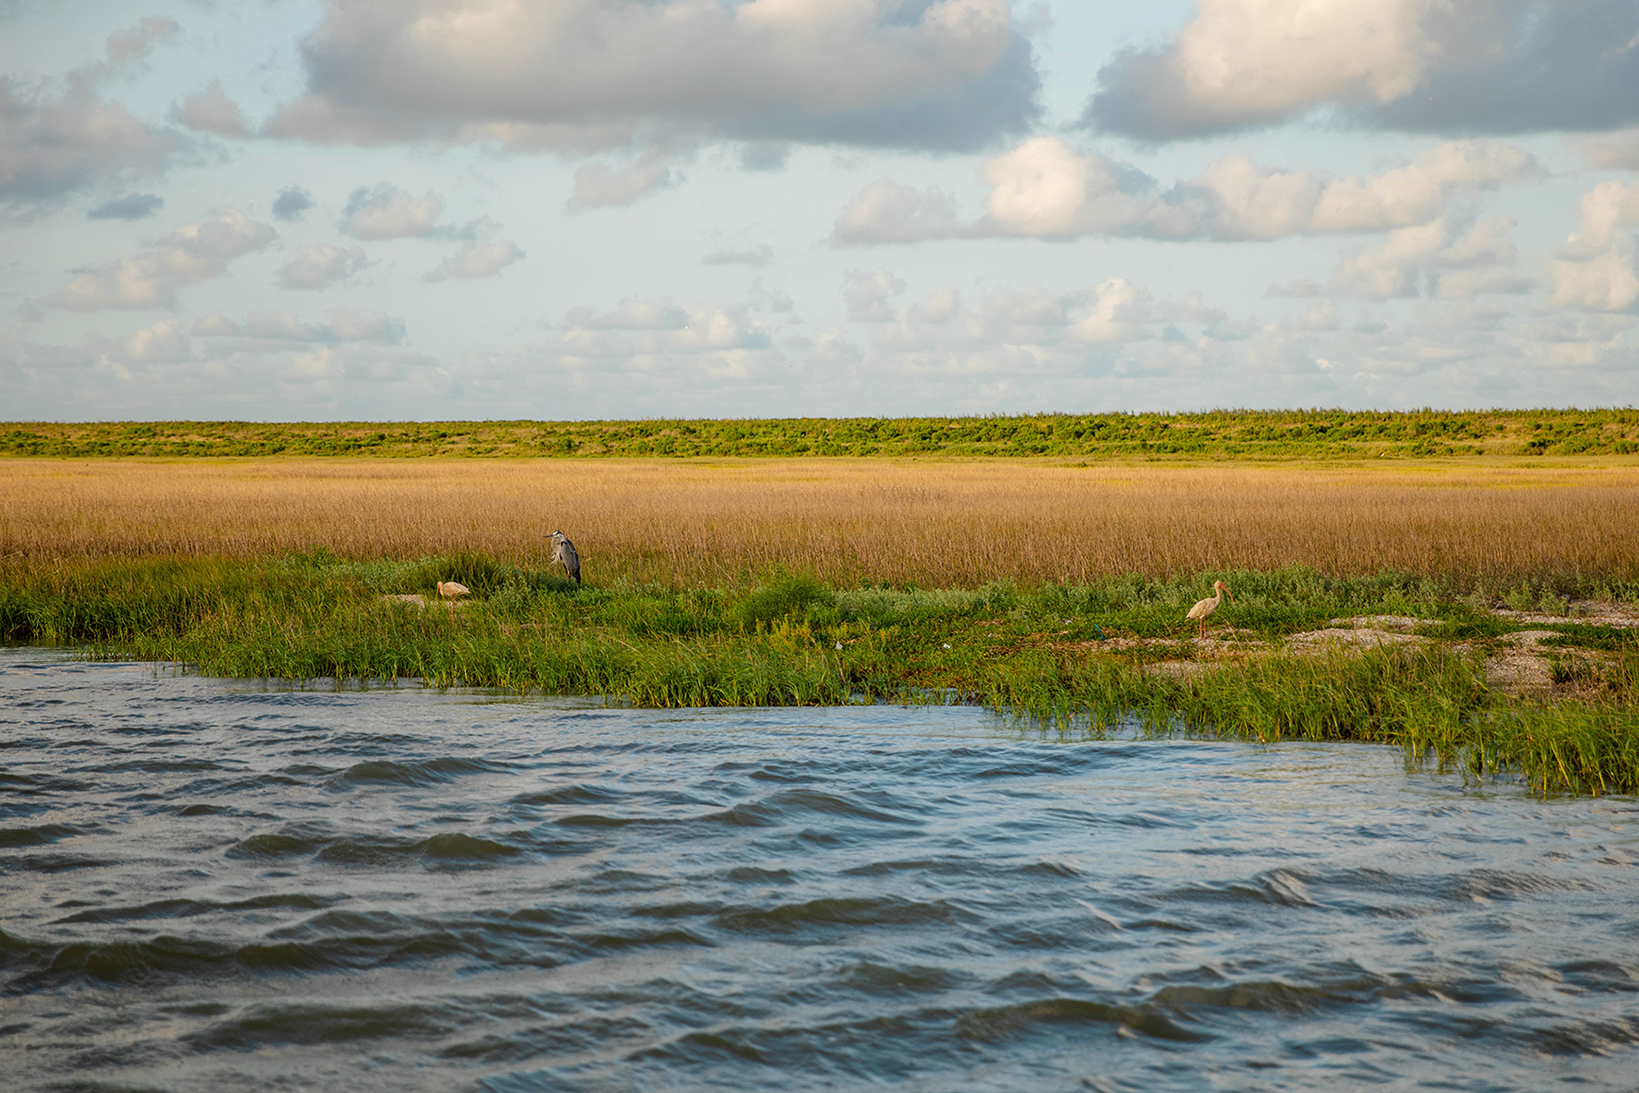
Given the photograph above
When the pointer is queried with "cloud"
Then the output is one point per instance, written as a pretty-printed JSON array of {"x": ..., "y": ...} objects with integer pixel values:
[
  {"x": 291, "y": 203},
  {"x": 1598, "y": 267},
  {"x": 234, "y": 379},
  {"x": 597, "y": 185},
  {"x": 868, "y": 292},
  {"x": 1003, "y": 347},
  {"x": 1605, "y": 211},
  {"x": 476, "y": 260},
  {"x": 1436, "y": 259},
  {"x": 162, "y": 343},
  {"x": 320, "y": 265},
  {"x": 886, "y": 212},
  {"x": 1440, "y": 66},
  {"x": 1253, "y": 202},
  {"x": 214, "y": 325},
  {"x": 655, "y": 328},
  {"x": 387, "y": 212},
  {"x": 1618, "y": 150},
  {"x": 1044, "y": 189},
  {"x": 211, "y": 111},
  {"x": 832, "y": 348},
  {"x": 55, "y": 145},
  {"x": 1029, "y": 316},
  {"x": 129, "y": 207},
  {"x": 342, "y": 325},
  {"x": 152, "y": 278},
  {"x": 1584, "y": 342},
  {"x": 639, "y": 314},
  {"x": 653, "y": 353},
  {"x": 758, "y": 256},
  {"x": 1112, "y": 345},
  {"x": 937, "y": 74}
]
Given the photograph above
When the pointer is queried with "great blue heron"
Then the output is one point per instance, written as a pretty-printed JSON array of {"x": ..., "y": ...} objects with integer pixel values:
[
  {"x": 451, "y": 589},
  {"x": 1205, "y": 607},
  {"x": 563, "y": 553}
]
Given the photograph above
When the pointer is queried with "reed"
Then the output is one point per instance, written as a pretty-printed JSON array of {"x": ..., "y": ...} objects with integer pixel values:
[{"x": 1489, "y": 526}]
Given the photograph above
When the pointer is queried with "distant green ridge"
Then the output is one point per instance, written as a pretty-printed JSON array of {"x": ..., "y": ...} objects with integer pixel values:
[{"x": 1218, "y": 434}]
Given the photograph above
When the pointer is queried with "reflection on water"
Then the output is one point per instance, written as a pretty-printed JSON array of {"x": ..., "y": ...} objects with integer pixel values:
[{"x": 208, "y": 886}]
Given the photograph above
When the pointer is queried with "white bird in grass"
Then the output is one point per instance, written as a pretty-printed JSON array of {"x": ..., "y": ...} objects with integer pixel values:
[
  {"x": 451, "y": 589},
  {"x": 1206, "y": 607}
]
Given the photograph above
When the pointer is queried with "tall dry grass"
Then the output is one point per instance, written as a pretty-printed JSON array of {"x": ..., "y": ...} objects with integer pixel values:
[{"x": 932, "y": 523}]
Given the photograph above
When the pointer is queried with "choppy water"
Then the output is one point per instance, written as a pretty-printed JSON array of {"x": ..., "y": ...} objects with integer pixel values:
[{"x": 206, "y": 886}]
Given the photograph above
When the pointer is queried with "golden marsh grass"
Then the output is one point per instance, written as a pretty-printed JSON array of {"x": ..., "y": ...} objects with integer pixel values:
[{"x": 937, "y": 524}]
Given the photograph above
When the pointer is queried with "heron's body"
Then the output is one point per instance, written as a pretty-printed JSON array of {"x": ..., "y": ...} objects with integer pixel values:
[
  {"x": 451, "y": 589},
  {"x": 563, "y": 553},
  {"x": 1204, "y": 608}
]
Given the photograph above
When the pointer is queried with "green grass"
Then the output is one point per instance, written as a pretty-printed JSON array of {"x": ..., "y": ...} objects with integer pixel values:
[
  {"x": 1218, "y": 434},
  {"x": 1055, "y": 654}
]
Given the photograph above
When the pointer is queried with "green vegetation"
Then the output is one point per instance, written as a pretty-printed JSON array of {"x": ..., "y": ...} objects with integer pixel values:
[
  {"x": 1077, "y": 657},
  {"x": 1219, "y": 434}
]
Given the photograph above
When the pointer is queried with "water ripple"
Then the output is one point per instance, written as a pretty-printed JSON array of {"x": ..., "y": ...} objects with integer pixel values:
[{"x": 210, "y": 884}]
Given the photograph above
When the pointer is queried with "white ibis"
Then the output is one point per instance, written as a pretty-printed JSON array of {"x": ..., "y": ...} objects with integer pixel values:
[
  {"x": 451, "y": 589},
  {"x": 1206, "y": 607}
]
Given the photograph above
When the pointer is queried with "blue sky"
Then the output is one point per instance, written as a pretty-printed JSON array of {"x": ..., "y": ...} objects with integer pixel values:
[{"x": 440, "y": 209}]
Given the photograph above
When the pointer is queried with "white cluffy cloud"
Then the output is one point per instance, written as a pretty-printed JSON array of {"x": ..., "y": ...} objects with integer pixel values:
[
  {"x": 387, "y": 212},
  {"x": 597, "y": 185},
  {"x": 162, "y": 343},
  {"x": 152, "y": 278},
  {"x": 595, "y": 73},
  {"x": 476, "y": 260},
  {"x": 320, "y": 265},
  {"x": 1045, "y": 189},
  {"x": 1498, "y": 66},
  {"x": 1598, "y": 267}
]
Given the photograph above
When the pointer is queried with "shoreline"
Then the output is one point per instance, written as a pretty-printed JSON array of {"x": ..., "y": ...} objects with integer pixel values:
[{"x": 1499, "y": 689}]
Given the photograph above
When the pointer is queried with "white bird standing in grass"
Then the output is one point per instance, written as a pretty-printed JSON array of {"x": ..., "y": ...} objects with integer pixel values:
[
  {"x": 1206, "y": 607},
  {"x": 451, "y": 589}
]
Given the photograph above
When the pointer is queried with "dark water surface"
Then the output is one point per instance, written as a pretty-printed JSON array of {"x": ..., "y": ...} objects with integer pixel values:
[{"x": 208, "y": 886}]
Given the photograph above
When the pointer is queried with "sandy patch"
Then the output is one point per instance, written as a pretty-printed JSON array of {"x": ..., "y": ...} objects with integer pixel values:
[
  {"x": 1360, "y": 637},
  {"x": 1587, "y": 612},
  {"x": 1401, "y": 624}
]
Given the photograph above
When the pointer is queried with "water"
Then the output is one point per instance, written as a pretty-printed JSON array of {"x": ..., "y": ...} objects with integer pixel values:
[{"x": 209, "y": 886}]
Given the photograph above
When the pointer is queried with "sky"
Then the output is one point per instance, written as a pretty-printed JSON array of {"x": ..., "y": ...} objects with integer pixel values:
[{"x": 325, "y": 210}]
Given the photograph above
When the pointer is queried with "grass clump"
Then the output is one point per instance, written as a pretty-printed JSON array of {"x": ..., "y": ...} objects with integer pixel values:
[{"x": 786, "y": 596}]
